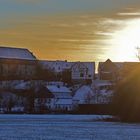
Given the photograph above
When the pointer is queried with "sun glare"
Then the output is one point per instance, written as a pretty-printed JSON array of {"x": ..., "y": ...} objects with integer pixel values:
[{"x": 125, "y": 41}]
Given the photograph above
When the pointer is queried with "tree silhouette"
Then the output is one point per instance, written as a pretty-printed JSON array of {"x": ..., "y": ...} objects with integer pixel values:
[{"x": 126, "y": 100}]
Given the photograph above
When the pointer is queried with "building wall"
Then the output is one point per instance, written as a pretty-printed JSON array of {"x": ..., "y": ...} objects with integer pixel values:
[
  {"x": 17, "y": 69},
  {"x": 81, "y": 72}
]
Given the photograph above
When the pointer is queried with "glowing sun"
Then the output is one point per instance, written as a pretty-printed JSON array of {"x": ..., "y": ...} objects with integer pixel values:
[{"x": 124, "y": 42}]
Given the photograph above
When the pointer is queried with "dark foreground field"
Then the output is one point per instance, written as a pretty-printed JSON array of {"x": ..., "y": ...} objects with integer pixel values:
[{"x": 64, "y": 127}]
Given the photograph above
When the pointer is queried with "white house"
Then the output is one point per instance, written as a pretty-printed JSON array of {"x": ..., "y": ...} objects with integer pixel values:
[{"x": 62, "y": 100}]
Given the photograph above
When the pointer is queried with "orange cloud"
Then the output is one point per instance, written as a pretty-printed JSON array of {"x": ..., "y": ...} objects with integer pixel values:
[{"x": 72, "y": 37}]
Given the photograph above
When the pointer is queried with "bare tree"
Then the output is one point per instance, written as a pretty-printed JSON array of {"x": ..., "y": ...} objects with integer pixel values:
[{"x": 138, "y": 52}]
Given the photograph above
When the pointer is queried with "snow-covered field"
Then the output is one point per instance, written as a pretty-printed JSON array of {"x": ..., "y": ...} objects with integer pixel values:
[{"x": 64, "y": 127}]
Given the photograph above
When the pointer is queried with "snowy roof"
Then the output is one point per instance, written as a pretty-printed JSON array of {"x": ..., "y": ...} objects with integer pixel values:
[
  {"x": 55, "y": 83},
  {"x": 16, "y": 53},
  {"x": 59, "y": 66},
  {"x": 106, "y": 92},
  {"x": 58, "y": 89},
  {"x": 102, "y": 83},
  {"x": 83, "y": 93},
  {"x": 22, "y": 86}
]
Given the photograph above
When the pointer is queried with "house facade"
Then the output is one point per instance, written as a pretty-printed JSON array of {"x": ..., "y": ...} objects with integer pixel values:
[
  {"x": 82, "y": 71},
  {"x": 77, "y": 71},
  {"x": 62, "y": 98},
  {"x": 109, "y": 70}
]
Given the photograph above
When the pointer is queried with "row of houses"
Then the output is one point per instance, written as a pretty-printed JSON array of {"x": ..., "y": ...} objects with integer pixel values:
[
  {"x": 52, "y": 97},
  {"x": 22, "y": 73},
  {"x": 21, "y": 64}
]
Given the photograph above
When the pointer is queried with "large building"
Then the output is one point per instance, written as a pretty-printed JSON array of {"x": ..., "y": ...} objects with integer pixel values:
[{"x": 16, "y": 64}]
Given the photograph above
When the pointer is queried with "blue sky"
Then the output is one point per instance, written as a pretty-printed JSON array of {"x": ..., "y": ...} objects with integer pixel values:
[
  {"x": 74, "y": 29},
  {"x": 16, "y": 7}
]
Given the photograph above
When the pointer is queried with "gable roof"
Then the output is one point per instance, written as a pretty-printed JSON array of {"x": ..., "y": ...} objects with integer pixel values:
[
  {"x": 120, "y": 65},
  {"x": 108, "y": 65},
  {"x": 58, "y": 89},
  {"x": 83, "y": 92},
  {"x": 16, "y": 53},
  {"x": 57, "y": 65}
]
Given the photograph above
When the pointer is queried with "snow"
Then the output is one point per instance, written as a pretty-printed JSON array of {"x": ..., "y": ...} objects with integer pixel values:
[
  {"x": 57, "y": 83},
  {"x": 64, "y": 127},
  {"x": 82, "y": 93},
  {"x": 58, "y": 89},
  {"x": 23, "y": 86},
  {"x": 16, "y": 53},
  {"x": 106, "y": 92},
  {"x": 99, "y": 83}
]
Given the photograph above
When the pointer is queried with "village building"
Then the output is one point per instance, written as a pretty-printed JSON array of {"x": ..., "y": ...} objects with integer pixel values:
[
  {"x": 47, "y": 96},
  {"x": 16, "y": 64},
  {"x": 115, "y": 71},
  {"x": 56, "y": 66},
  {"x": 83, "y": 95},
  {"x": 108, "y": 70},
  {"x": 62, "y": 100},
  {"x": 83, "y": 71},
  {"x": 76, "y": 71}
]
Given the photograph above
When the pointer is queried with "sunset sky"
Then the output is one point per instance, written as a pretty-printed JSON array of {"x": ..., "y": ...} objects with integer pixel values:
[{"x": 74, "y": 30}]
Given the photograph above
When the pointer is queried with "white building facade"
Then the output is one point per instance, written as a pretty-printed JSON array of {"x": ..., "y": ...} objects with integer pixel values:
[{"x": 79, "y": 70}]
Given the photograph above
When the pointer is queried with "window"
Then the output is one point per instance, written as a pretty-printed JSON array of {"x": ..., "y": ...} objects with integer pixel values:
[
  {"x": 89, "y": 75},
  {"x": 81, "y": 75}
]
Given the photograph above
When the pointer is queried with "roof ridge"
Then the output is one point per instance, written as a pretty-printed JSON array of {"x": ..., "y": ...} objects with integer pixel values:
[
  {"x": 13, "y": 47},
  {"x": 14, "y": 52}
]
